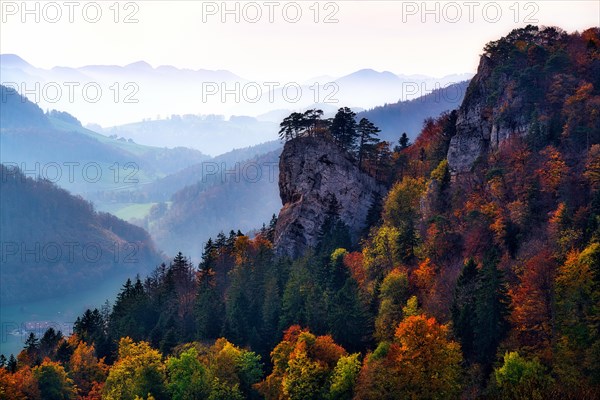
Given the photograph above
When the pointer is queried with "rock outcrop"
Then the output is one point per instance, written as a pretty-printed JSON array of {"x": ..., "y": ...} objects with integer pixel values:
[
  {"x": 486, "y": 117},
  {"x": 313, "y": 173}
]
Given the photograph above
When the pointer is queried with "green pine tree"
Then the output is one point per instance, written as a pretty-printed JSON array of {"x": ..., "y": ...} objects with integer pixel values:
[
  {"x": 463, "y": 308},
  {"x": 367, "y": 140},
  {"x": 343, "y": 128},
  {"x": 491, "y": 311},
  {"x": 209, "y": 307}
]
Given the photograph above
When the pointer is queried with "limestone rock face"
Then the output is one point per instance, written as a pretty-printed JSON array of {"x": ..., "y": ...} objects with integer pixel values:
[
  {"x": 488, "y": 115},
  {"x": 314, "y": 172}
]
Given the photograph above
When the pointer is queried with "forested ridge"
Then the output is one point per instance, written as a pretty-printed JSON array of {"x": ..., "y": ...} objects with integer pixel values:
[
  {"x": 483, "y": 284},
  {"x": 54, "y": 243}
]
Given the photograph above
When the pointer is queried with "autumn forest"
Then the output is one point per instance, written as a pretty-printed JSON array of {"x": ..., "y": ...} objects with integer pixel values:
[{"x": 470, "y": 279}]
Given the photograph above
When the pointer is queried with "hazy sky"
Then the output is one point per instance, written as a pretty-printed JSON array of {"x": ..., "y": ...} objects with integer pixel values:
[{"x": 398, "y": 36}]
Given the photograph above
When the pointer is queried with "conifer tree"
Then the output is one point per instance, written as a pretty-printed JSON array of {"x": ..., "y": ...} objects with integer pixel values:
[
  {"x": 491, "y": 311},
  {"x": 463, "y": 308},
  {"x": 367, "y": 140},
  {"x": 343, "y": 128},
  {"x": 209, "y": 306}
]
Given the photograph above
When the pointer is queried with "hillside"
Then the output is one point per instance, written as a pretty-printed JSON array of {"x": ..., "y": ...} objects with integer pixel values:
[
  {"x": 49, "y": 144},
  {"x": 240, "y": 195},
  {"x": 55, "y": 243},
  {"x": 163, "y": 188},
  {"x": 408, "y": 116}
]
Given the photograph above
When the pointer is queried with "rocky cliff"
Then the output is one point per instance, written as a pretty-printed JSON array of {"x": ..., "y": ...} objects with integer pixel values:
[
  {"x": 521, "y": 88},
  {"x": 313, "y": 173},
  {"x": 486, "y": 117}
]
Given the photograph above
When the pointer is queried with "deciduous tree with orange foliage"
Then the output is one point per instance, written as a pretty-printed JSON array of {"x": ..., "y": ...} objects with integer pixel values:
[
  {"x": 532, "y": 305},
  {"x": 421, "y": 362},
  {"x": 85, "y": 368}
]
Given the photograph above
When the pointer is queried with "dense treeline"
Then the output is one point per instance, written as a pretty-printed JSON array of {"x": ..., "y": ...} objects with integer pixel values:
[{"x": 484, "y": 285}]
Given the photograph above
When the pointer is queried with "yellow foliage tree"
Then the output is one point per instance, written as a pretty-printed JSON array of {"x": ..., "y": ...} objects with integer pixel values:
[{"x": 138, "y": 371}]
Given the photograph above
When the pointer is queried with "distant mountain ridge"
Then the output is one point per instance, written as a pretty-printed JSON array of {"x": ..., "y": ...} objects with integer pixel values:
[
  {"x": 138, "y": 91},
  {"x": 209, "y": 134},
  {"x": 408, "y": 116},
  {"x": 162, "y": 189},
  {"x": 31, "y": 139}
]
